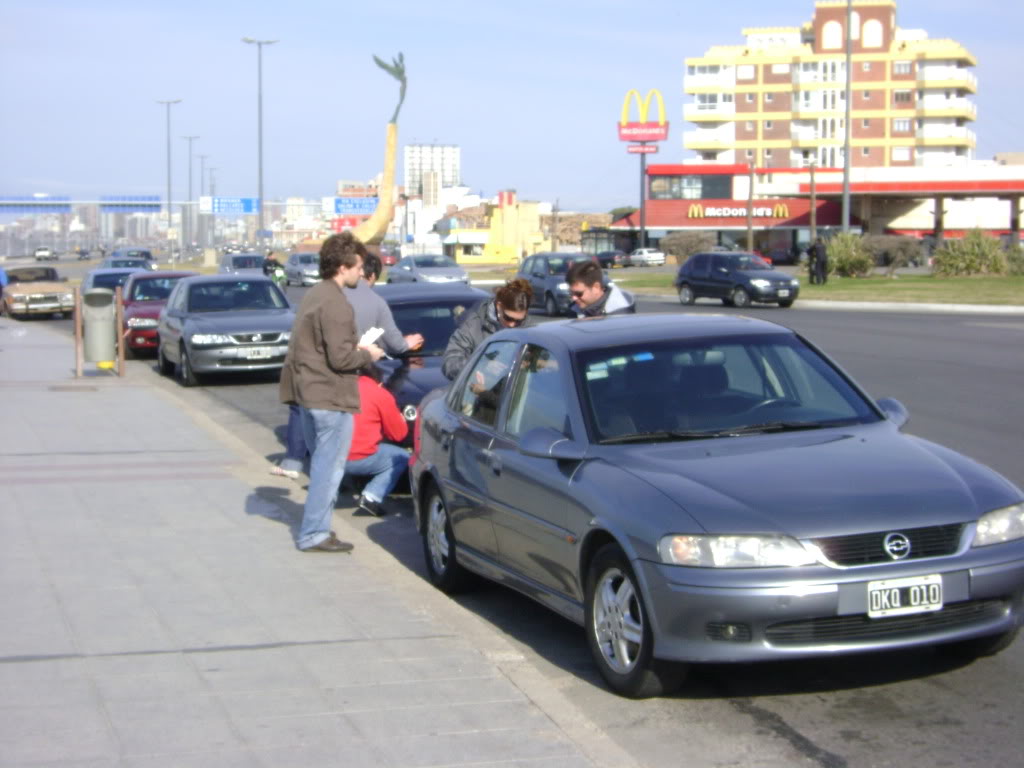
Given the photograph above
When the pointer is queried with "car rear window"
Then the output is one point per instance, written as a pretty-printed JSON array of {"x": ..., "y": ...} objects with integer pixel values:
[
  {"x": 436, "y": 321},
  {"x": 153, "y": 289},
  {"x": 247, "y": 262}
]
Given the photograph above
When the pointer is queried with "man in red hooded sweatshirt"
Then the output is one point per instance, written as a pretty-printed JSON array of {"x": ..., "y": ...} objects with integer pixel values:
[{"x": 379, "y": 419}]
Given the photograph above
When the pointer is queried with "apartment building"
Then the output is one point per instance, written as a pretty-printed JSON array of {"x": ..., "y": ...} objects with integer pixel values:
[
  {"x": 779, "y": 99},
  {"x": 431, "y": 167}
]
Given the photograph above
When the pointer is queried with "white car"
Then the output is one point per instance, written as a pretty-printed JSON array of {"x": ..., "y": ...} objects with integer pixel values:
[
  {"x": 646, "y": 257},
  {"x": 45, "y": 254}
]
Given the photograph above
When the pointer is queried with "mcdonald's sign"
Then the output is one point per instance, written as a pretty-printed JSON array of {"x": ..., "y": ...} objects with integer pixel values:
[
  {"x": 780, "y": 211},
  {"x": 737, "y": 210},
  {"x": 643, "y": 129},
  {"x": 696, "y": 211}
]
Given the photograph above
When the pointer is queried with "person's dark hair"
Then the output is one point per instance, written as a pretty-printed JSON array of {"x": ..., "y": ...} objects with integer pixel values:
[
  {"x": 339, "y": 251},
  {"x": 371, "y": 266},
  {"x": 587, "y": 272},
  {"x": 372, "y": 371},
  {"x": 515, "y": 295}
]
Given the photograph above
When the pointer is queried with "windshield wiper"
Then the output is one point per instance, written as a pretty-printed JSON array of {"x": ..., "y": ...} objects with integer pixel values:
[
  {"x": 661, "y": 436},
  {"x": 781, "y": 426}
]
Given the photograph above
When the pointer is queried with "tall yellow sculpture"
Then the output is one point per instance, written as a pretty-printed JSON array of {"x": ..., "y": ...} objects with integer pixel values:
[{"x": 372, "y": 231}]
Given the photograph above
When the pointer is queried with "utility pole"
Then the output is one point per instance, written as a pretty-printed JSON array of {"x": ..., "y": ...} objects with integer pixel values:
[
  {"x": 750, "y": 212},
  {"x": 186, "y": 215},
  {"x": 259, "y": 124},
  {"x": 643, "y": 198},
  {"x": 846, "y": 132},
  {"x": 814, "y": 206},
  {"x": 169, "y": 103}
]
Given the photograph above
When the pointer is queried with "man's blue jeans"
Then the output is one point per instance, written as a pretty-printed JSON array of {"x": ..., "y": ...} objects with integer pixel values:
[
  {"x": 386, "y": 466},
  {"x": 329, "y": 437},
  {"x": 295, "y": 441}
]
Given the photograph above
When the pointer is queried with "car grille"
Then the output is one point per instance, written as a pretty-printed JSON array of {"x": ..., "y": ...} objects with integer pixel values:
[
  {"x": 44, "y": 298},
  {"x": 256, "y": 338},
  {"x": 859, "y": 628},
  {"x": 868, "y": 548}
]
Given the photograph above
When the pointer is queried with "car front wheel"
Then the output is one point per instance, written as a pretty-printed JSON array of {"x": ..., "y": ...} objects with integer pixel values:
[
  {"x": 619, "y": 630},
  {"x": 550, "y": 306},
  {"x": 686, "y": 294},
  {"x": 740, "y": 297},
  {"x": 439, "y": 550},
  {"x": 188, "y": 376}
]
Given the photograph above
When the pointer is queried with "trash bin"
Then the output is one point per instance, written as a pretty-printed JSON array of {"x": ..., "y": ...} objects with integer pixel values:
[{"x": 98, "y": 321}]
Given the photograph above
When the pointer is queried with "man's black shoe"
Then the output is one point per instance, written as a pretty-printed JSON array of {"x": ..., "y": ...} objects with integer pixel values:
[
  {"x": 330, "y": 544},
  {"x": 375, "y": 508}
]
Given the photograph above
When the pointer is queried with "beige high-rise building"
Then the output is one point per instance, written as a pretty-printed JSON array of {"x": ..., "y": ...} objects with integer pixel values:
[{"x": 779, "y": 100}]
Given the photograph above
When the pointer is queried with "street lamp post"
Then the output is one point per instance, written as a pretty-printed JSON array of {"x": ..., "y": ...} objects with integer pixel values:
[
  {"x": 186, "y": 216},
  {"x": 168, "y": 104},
  {"x": 259, "y": 125}
]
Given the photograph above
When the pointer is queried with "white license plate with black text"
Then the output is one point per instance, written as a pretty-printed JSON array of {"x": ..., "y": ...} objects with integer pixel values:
[
  {"x": 783, "y": 292},
  {"x": 896, "y": 597},
  {"x": 259, "y": 353}
]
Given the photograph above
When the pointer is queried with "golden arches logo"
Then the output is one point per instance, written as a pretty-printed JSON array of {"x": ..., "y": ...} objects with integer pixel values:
[
  {"x": 696, "y": 211},
  {"x": 780, "y": 211},
  {"x": 643, "y": 106}
]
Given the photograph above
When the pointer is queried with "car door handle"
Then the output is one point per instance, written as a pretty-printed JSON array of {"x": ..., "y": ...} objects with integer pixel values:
[
  {"x": 492, "y": 459},
  {"x": 446, "y": 439}
]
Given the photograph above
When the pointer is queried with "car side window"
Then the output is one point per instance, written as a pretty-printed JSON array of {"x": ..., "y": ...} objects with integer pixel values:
[
  {"x": 719, "y": 263},
  {"x": 482, "y": 388},
  {"x": 538, "y": 396},
  {"x": 700, "y": 264},
  {"x": 528, "y": 266}
]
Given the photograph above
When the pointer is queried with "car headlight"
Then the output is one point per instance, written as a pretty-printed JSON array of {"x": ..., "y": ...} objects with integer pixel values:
[
  {"x": 794, "y": 282},
  {"x": 142, "y": 322},
  {"x": 733, "y": 551},
  {"x": 285, "y": 336},
  {"x": 761, "y": 283},
  {"x": 67, "y": 297},
  {"x": 1000, "y": 525},
  {"x": 564, "y": 287},
  {"x": 201, "y": 339}
]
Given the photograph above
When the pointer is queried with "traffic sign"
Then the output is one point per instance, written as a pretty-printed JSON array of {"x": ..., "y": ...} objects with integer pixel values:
[
  {"x": 35, "y": 204},
  {"x": 229, "y": 206},
  {"x": 350, "y": 206}
]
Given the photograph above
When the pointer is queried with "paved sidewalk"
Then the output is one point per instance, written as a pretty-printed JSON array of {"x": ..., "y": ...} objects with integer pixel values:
[{"x": 156, "y": 613}]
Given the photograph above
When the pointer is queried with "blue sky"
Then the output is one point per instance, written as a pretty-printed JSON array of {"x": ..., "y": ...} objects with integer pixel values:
[{"x": 530, "y": 90}]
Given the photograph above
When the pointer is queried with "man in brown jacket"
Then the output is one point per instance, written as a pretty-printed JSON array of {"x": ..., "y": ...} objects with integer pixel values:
[{"x": 320, "y": 375}]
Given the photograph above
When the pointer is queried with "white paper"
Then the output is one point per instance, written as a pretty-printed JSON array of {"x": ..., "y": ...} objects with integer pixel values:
[{"x": 371, "y": 335}]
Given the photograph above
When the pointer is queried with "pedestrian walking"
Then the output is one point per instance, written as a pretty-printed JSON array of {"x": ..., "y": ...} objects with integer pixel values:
[
  {"x": 820, "y": 262},
  {"x": 320, "y": 376}
]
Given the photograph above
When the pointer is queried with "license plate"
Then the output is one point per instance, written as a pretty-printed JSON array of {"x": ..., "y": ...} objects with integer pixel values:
[
  {"x": 259, "y": 353},
  {"x": 784, "y": 292},
  {"x": 895, "y": 597}
]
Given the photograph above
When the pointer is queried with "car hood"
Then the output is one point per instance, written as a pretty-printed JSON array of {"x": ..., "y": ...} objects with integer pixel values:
[
  {"x": 823, "y": 483},
  {"x": 241, "y": 322},
  {"x": 409, "y": 382},
  {"x": 144, "y": 308},
  {"x": 40, "y": 286},
  {"x": 765, "y": 274}
]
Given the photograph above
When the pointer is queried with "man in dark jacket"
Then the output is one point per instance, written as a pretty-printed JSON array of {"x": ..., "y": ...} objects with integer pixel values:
[
  {"x": 509, "y": 308},
  {"x": 591, "y": 297},
  {"x": 320, "y": 375},
  {"x": 819, "y": 262}
]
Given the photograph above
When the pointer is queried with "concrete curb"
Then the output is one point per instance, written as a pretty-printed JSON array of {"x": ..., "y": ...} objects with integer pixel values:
[{"x": 877, "y": 306}]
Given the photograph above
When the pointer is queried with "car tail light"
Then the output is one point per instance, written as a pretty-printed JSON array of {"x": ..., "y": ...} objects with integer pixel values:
[{"x": 417, "y": 425}]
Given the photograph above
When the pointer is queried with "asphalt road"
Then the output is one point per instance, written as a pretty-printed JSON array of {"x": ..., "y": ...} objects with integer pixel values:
[{"x": 960, "y": 377}]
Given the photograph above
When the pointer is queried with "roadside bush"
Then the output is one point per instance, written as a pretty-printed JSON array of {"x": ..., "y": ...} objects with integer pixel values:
[
  {"x": 682, "y": 245},
  {"x": 976, "y": 254},
  {"x": 894, "y": 251},
  {"x": 848, "y": 256},
  {"x": 1015, "y": 261}
]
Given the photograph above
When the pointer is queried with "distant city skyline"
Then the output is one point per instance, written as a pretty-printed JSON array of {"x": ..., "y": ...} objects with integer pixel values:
[{"x": 530, "y": 93}]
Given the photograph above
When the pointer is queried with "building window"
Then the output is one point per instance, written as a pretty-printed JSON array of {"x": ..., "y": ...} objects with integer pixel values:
[
  {"x": 901, "y": 125},
  {"x": 865, "y": 123},
  {"x": 900, "y": 154},
  {"x": 745, "y": 72},
  {"x": 748, "y": 125},
  {"x": 866, "y": 95},
  {"x": 832, "y": 36},
  {"x": 768, "y": 124},
  {"x": 780, "y": 69},
  {"x": 767, "y": 153},
  {"x": 901, "y": 67},
  {"x": 727, "y": 98},
  {"x": 901, "y": 97},
  {"x": 771, "y": 97},
  {"x": 750, "y": 98},
  {"x": 920, "y": 124},
  {"x": 866, "y": 66},
  {"x": 750, "y": 154},
  {"x": 865, "y": 151},
  {"x": 872, "y": 34}
]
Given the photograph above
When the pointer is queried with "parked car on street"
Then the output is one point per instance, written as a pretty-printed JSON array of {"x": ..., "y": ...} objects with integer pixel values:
[
  {"x": 115, "y": 262},
  {"x": 710, "y": 489},
  {"x": 222, "y": 324},
  {"x": 434, "y": 311},
  {"x": 610, "y": 259},
  {"x": 646, "y": 257},
  {"x": 36, "y": 291},
  {"x": 427, "y": 268},
  {"x": 302, "y": 268},
  {"x": 389, "y": 256},
  {"x": 242, "y": 264},
  {"x": 546, "y": 274},
  {"x": 145, "y": 294},
  {"x": 108, "y": 278},
  {"x": 737, "y": 279},
  {"x": 45, "y": 253}
]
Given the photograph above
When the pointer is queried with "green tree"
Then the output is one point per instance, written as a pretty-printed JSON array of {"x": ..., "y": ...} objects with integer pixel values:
[
  {"x": 625, "y": 210},
  {"x": 682, "y": 245}
]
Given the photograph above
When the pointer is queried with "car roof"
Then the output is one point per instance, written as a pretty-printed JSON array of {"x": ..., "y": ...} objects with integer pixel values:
[
  {"x": 115, "y": 270},
  {"x": 614, "y": 330},
  {"x": 150, "y": 275},
  {"x": 412, "y": 292},
  {"x": 251, "y": 278}
]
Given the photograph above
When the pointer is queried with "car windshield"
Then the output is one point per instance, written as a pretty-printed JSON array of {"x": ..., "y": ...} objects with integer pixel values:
[
  {"x": 152, "y": 289},
  {"x": 31, "y": 274},
  {"x": 110, "y": 280},
  {"x": 127, "y": 263},
  {"x": 234, "y": 295},
  {"x": 703, "y": 388},
  {"x": 139, "y": 255},
  {"x": 559, "y": 265},
  {"x": 747, "y": 262},
  {"x": 433, "y": 261},
  {"x": 436, "y": 321},
  {"x": 247, "y": 262}
]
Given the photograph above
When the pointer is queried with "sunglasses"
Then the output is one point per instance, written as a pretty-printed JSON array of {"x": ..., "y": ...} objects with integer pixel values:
[
  {"x": 577, "y": 294},
  {"x": 515, "y": 322}
]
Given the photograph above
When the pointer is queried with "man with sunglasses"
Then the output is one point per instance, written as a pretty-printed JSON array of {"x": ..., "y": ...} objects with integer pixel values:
[
  {"x": 508, "y": 309},
  {"x": 591, "y": 297}
]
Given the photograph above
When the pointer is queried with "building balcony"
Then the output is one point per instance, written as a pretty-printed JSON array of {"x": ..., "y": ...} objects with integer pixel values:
[
  {"x": 709, "y": 112},
  {"x": 705, "y": 140},
  {"x": 938, "y": 106},
  {"x": 946, "y": 77},
  {"x": 961, "y": 133},
  {"x": 721, "y": 81}
]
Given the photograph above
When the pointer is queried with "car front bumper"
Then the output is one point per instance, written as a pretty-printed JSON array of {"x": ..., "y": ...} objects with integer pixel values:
[
  {"x": 237, "y": 358},
  {"x": 142, "y": 338},
  {"x": 21, "y": 306},
  {"x": 746, "y": 617},
  {"x": 774, "y": 293}
]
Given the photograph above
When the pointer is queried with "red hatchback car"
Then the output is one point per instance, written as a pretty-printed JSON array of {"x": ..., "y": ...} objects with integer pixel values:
[{"x": 145, "y": 294}]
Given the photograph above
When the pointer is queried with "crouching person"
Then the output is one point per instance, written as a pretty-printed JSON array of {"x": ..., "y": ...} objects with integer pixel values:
[{"x": 384, "y": 463}]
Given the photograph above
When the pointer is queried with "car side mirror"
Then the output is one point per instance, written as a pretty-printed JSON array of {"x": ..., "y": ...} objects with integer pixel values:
[
  {"x": 894, "y": 411},
  {"x": 547, "y": 443}
]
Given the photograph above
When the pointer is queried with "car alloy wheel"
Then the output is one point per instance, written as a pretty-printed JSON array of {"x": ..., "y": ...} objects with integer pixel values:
[
  {"x": 551, "y": 306},
  {"x": 618, "y": 631},
  {"x": 686, "y": 294},
  {"x": 439, "y": 548},
  {"x": 740, "y": 297},
  {"x": 185, "y": 371}
]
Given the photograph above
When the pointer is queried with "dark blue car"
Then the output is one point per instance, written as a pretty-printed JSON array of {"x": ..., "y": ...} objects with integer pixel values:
[
  {"x": 737, "y": 279},
  {"x": 706, "y": 488}
]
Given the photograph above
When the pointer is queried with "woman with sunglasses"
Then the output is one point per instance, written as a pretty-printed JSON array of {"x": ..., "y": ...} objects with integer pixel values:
[{"x": 508, "y": 309}]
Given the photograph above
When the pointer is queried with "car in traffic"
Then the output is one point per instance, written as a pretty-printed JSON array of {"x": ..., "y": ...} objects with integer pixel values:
[
  {"x": 427, "y": 268},
  {"x": 434, "y": 311},
  {"x": 132, "y": 253},
  {"x": 116, "y": 262},
  {"x": 45, "y": 253},
  {"x": 646, "y": 257},
  {"x": 302, "y": 268},
  {"x": 710, "y": 488},
  {"x": 223, "y": 324},
  {"x": 36, "y": 291},
  {"x": 107, "y": 277},
  {"x": 144, "y": 295},
  {"x": 611, "y": 259},
  {"x": 545, "y": 272},
  {"x": 736, "y": 279},
  {"x": 389, "y": 256},
  {"x": 242, "y": 264}
]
